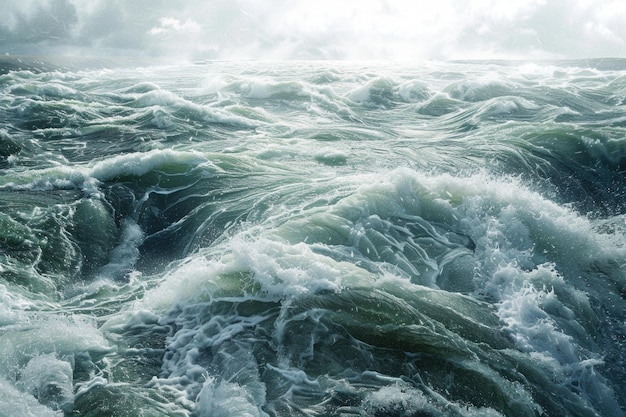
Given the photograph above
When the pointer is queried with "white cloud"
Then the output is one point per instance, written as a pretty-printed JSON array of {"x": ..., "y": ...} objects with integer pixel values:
[
  {"x": 169, "y": 24},
  {"x": 599, "y": 30},
  {"x": 607, "y": 22}
]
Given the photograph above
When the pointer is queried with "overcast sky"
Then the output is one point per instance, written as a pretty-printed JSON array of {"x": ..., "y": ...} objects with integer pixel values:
[{"x": 316, "y": 29}]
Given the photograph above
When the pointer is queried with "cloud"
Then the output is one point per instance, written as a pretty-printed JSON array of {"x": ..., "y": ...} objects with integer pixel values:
[
  {"x": 169, "y": 25},
  {"x": 320, "y": 29},
  {"x": 28, "y": 22}
]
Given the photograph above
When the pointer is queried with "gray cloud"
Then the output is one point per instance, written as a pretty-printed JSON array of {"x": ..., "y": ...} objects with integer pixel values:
[
  {"x": 323, "y": 29},
  {"x": 51, "y": 22}
]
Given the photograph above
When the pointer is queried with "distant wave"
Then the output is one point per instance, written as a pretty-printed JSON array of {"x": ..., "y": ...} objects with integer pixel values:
[{"x": 40, "y": 64}]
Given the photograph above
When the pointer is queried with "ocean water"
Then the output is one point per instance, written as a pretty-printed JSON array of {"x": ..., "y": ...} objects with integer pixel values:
[{"x": 314, "y": 239}]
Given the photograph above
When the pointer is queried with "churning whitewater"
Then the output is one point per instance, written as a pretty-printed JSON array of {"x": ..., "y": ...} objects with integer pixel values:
[{"x": 314, "y": 239}]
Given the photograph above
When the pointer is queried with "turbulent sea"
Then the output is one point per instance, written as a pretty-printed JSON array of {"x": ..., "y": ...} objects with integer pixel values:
[{"x": 314, "y": 239}]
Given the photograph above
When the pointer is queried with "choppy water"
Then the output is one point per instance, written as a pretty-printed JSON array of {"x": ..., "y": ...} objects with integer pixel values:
[{"x": 314, "y": 239}]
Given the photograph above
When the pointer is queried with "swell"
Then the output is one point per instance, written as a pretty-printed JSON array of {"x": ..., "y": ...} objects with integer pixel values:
[
  {"x": 276, "y": 314},
  {"x": 445, "y": 240},
  {"x": 560, "y": 127}
]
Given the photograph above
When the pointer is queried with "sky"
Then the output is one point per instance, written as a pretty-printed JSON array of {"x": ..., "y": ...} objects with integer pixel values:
[{"x": 316, "y": 29}]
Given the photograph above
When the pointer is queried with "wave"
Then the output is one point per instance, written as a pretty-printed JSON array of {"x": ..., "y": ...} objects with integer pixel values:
[
  {"x": 233, "y": 239},
  {"x": 329, "y": 284}
]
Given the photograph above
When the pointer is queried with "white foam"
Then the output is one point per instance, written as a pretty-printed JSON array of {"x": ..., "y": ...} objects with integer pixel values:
[
  {"x": 138, "y": 164},
  {"x": 534, "y": 259},
  {"x": 125, "y": 255},
  {"x": 49, "y": 379},
  {"x": 227, "y": 399},
  {"x": 282, "y": 269},
  {"x": 331, "y": 156},
  {"x": 44, "y": 334},
  {"x": 15, "y": 403},
  {"x": 86, "y": 177},
  {"x": 403, "y": 399},
  {"x": 414, "y": 91},
  {"x": 380, "y": 86},
  {"x": 37, "y": 360},
  {"x": 260, "y": 89}
]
